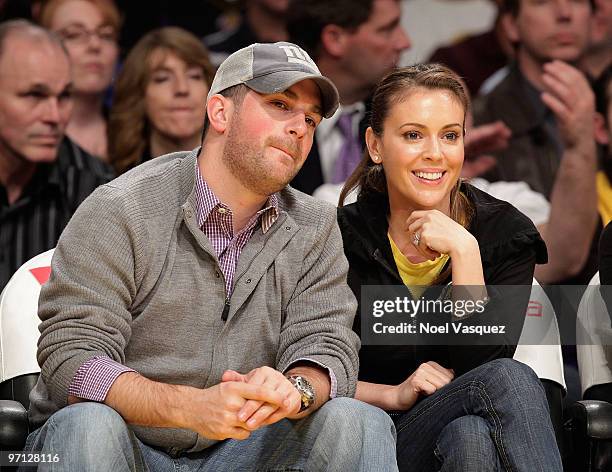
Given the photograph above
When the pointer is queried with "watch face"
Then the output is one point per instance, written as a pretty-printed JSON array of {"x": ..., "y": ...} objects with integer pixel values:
[{"x": 306, "y": 391}]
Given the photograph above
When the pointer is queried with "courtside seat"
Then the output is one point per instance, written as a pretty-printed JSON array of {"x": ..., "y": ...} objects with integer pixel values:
[
  {"x": 19, "y": 334},
  {"x": 590, "y": 420},
  {"x": 545, "y": 357}
]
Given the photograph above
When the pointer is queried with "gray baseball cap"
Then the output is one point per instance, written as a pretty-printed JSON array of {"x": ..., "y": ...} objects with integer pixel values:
[{"x": 273, "y": 68}]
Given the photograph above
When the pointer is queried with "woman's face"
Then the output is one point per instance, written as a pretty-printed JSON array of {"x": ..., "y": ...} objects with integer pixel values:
[
  {"x": 175, "y": 97},
  {"x": 91, "y": 43},
  {"x": 421, "y": 149}
]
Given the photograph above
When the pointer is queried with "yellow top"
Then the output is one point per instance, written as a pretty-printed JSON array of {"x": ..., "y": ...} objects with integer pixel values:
[
  {"x": 604, "y": 197},
  {"x": 417, "y": 277}
]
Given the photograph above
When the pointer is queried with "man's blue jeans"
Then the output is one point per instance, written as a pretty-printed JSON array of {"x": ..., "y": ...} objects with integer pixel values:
[
  {"x": 344, "y": 434},
  {"x": 493, "y": 418}
]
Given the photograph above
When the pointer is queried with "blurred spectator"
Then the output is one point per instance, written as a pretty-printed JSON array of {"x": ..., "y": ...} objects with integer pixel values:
[
  {"x": 43, "y": 175},
  {"x": 548, "y": 105},
  {"x": 198, "y": 16},
  {"x": 89, "y": 30},
  {"x": 24, "y": 9},
  {"x": 263, "y": 21},
  {"x": 605, "y": 267},
  {"x": 477, "y": 57},
  {"x": 159, "y": 98},
  {"x": 599, "y": 53},
  {"x": 435, "y": 23},
  {"x": 603, "y": 134},
  {"x": 354, "y": 43}
]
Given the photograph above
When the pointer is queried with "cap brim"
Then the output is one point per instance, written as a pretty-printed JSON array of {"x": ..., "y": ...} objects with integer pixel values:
[{"x": 281, "y": 80}]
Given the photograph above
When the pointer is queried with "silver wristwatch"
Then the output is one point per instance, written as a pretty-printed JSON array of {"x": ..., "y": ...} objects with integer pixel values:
[{"x": 307, "y": 393}]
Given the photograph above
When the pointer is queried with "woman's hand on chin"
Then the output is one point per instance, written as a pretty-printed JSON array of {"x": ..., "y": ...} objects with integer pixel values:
[{"x": 433, "y": 233}]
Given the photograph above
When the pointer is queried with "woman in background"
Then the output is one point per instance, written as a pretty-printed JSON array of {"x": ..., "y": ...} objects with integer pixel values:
[
  {"x": 416, "y": 225},
  {"x": 159, "y": 99},
  {"x": 89, "y": 30}
]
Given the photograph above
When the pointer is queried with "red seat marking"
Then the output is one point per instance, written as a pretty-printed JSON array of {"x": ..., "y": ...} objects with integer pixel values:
[{"x": 41, "y": 274}]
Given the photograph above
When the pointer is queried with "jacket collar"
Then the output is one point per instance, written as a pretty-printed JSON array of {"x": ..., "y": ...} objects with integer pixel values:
[{"x": 523, "y": 108}]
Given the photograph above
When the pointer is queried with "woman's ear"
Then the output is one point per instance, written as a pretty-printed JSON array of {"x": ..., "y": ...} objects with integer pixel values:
[
  {"x": 602, "y": 135},
  {"x": 219, "y": 110},
  {"x": 374, "y": 146}
]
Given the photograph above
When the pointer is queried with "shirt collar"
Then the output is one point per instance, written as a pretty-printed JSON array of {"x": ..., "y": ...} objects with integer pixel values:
[
  {"x": 207, "y": 201},
  {"x": 328, "y": 125}
]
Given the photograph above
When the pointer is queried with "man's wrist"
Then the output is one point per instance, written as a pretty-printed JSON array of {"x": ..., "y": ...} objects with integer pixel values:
[{"x": 318, "y": 377}]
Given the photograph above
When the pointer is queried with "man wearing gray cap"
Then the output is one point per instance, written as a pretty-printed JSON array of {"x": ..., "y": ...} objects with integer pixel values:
[{"x": 197, "y": 315}]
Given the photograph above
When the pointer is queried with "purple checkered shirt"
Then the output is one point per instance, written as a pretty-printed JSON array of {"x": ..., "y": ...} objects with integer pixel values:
[{"x": 95, "y": 377}]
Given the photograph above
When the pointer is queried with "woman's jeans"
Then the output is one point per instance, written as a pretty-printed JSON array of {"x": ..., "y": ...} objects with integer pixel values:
[{"x": 493, "y": 418}]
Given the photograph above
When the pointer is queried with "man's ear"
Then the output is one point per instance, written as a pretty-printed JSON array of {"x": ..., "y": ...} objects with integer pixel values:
[
  {"x": 602, "y": 135},
  {"x": 219, "y": 110},
  {"x": 374, "y": 146},
  {"x": 508, "y": 23},
  {"x": 334, "y": 40}
]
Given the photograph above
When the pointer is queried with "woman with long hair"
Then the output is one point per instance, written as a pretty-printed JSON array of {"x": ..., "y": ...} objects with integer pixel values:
[
  {"x": 89, "y": 30},
  {"x": 417, "y": 226},
  {"x": 159, "y": 99}
]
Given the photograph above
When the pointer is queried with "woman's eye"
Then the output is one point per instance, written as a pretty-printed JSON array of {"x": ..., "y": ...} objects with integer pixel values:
[
  {"x": 196, "y": 75},
  {"x": 451, "y": 136},
  {"x": 159, "y": 78},
  {"x": 411, "y": 135}
]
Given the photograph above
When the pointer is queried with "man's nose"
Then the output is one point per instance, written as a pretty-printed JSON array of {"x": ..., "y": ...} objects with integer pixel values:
[
  {"x": 51, "y": 112},
  {"x": 403, "y": 41},
  {"x": 297, "y": 124}
]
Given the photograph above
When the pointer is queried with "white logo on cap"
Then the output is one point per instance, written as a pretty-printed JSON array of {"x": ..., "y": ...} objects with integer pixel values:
[{"x": 295, "y": 54}]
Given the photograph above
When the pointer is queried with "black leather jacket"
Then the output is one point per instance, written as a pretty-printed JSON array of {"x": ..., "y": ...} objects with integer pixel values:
[{"x": 510, "y": 246}]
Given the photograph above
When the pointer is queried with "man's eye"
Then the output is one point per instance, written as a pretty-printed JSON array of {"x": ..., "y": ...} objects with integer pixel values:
[
  {"x": 311, "y": 122},
  {"x": 35, "y": 94},
  {"x": 279, "y": 104}
]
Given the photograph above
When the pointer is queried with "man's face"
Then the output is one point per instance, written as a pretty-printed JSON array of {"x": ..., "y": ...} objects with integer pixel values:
[
  {"x": 601, "y": 25},
  {"x": 35, "y": 102},
  {"x": 374, "y": 48},
  {"x": 270, "y": 136},
  {"x": 551, "y": 29}
]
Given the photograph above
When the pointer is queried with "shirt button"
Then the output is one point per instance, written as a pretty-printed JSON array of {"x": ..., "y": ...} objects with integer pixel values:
[
  {"x": 217, "y": 274},
  {"x": 221, "y": 210},
  {"x": 248, "y": 281},
  {"x": 287, "y": 228}
]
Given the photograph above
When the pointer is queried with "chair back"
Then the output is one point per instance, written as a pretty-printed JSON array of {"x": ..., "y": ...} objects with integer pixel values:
[
  {"x": 545, "y": 358},
  {"x": 19, "y": 318}
]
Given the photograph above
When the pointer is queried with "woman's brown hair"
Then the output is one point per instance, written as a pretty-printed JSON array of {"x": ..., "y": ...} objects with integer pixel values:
[
  {"x": 128, "y": 126},
  {"x": 369, "y": 177}
]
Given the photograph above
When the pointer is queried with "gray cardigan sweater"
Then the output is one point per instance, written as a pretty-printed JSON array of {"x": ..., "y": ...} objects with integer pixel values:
[{"x": 135, "y": 279}]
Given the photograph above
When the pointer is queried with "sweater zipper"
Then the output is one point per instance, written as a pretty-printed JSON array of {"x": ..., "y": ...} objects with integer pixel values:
[{"x": 226, "y": 309}]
